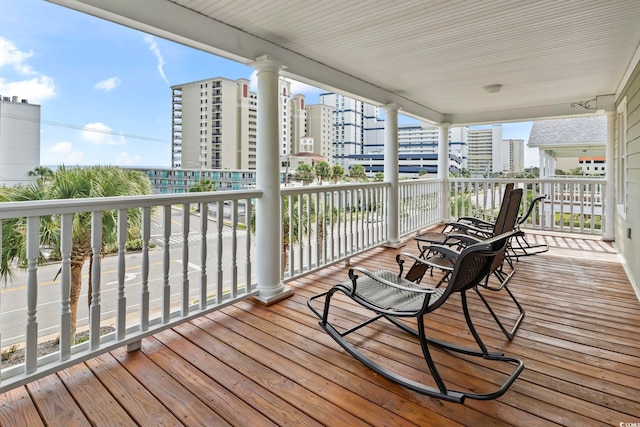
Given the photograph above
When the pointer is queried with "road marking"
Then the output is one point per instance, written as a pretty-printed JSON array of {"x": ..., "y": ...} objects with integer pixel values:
[
  {"x": 192, "y": 265},
  {"x": 127, "y": 277}
]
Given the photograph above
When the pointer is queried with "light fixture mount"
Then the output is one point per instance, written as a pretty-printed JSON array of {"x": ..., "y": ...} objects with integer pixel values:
[{"x": 495, "y": 88}]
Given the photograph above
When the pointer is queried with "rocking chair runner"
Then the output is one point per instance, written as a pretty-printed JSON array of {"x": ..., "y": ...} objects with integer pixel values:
[{"x": 392, "y": 297}]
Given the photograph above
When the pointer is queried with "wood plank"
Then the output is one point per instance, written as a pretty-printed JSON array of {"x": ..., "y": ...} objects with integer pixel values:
[
  {"x": 187, "y": 407},
  {"x": 17, "y": 409},
  {"x": 134, "y": 398},
  {"x": 55, "y": 404},
  {"x": 99, "y": 406},
  {"x": 194, "y": 378},
  {"x": 265, "y": 400}
]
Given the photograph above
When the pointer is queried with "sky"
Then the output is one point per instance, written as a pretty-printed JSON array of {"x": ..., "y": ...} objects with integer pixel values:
[{"x": 104, "y": 89}]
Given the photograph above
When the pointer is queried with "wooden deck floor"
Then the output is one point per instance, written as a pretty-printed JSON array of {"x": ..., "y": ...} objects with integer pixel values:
[{"x": 250, "y": 365}]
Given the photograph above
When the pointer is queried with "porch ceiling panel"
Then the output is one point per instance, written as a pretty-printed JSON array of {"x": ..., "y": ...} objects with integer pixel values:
[{"x": 433, "y": 58}]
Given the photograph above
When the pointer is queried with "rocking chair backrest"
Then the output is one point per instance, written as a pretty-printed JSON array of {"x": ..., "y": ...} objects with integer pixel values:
[
  {"x": 498, "y": 226},
  {"x": 509, "y": 219},
  {"x": 474, "y": 264}
]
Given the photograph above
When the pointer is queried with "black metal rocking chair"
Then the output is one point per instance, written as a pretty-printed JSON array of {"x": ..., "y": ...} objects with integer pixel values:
[
  {"x": 443, "y": 257},
  {"x": 392, "y": 297}
]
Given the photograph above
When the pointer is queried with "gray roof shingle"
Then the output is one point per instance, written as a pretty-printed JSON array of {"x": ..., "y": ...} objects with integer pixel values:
[{"x": 586, "y": 130}]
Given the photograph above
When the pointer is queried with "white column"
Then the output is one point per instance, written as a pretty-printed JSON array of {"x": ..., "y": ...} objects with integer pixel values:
[
  {"x": 608, "y": 232},
  {"x": 443, "y": 170},
  {"x": 391, "y": 172},
  {"x": 268, "y": 218}
]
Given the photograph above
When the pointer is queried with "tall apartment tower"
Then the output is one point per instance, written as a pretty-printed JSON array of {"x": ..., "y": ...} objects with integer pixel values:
[
  {"x": 19, "y": 140},
  {"x": 298, "y": 118},
  {"x": 485, "y": 151},
  {"x": 320, "y": 128},
  {"x": 214, "y": 124},
  {"x": 352, "y": 120},
  {"x": 513, "y": 155}
]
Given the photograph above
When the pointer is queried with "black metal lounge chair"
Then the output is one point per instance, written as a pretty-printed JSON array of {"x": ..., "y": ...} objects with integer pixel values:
[
  {"x": 519, "y": 246},
  {"x": 444, "y": 257},
  {"x": 391, "y": 297},
  {"x": 464, "y": 224}
]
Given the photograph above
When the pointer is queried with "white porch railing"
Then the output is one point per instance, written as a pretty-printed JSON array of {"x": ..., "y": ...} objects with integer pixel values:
[
  {"x": 419, "y": 204},
  {"x": 324, "y": 224},
  {"x": 197, "y": 266},
  {"x": 571, "y": 205},
  {"x": 193, "y": 262}
]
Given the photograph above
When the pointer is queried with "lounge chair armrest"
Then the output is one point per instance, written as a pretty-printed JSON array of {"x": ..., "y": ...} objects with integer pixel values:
[
  {"x": 466, "y": 239},
  {"x": 353, "y": 276},
  {"x": 445, "y": 250},
  {"x": 477, "y": 222},
  {"x": 467, "y": 228}
]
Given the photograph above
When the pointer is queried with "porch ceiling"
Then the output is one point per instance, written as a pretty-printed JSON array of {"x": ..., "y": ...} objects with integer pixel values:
[{"x": 432, "y": 58}]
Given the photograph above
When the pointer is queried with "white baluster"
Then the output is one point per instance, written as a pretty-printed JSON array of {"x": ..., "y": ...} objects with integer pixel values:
[
  {"x": 94, "y": 310},
  {"x": 166, "y": 262},
  {"x": 219, "y": 224},
  {"x": 66, "y": 224},
  {"x": 33, "y": 250},
  {"x": 146, "y": 235},
  {"x": 247, "y": 220},
  {"x": 186, "y": 216},
  {"x": 204, "y": 222},
  {"x": 234, "y": 249},
  {"x": 121, "y": 310}
]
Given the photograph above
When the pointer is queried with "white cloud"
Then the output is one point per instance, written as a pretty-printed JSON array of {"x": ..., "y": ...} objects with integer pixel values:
[
  {"x": 36, "y": 89},
  {"x": 100, "y": 134},
  {"x": 108, "y": 84},
  {"x": 62, "y": 153},
  {"x": 153, "y": 47},
  {"x": 127, "y": 159},
  {"x": 11, "y": 55}
]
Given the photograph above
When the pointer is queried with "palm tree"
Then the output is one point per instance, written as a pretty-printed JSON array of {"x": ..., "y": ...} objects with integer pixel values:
[
  {"x": 337, "y": 173},
  {"x": 73, "y": 183},
  {"x": 323, "y": 171},
  {"x": 358, "y": 173},
  {"x": 42, "y": 173},
  {"x": 306, "y": 173},
  {"x": 298, "y": 225}
]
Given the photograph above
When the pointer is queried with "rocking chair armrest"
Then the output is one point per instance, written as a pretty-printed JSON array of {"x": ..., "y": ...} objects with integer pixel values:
[
  {"x": 445, "y": 250},
  {"x": 353, "y": 276},
  {"x": 410, "y": 256},
  {"x": 477, "y": 222},
  {"x": 465, "y": 239},
  {"x": 468, "y": 228}
]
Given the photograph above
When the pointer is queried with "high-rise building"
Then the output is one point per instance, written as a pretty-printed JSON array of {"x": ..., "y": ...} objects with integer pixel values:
[
  {"x": 320, "y": 128},
  {"x": 354, "y": 123},
  {"x": 513, "y": 155},
  {"x": 19, "y": 140},
  {"x": 215, "y": 124},
  {"x": 485, "y": 151}
]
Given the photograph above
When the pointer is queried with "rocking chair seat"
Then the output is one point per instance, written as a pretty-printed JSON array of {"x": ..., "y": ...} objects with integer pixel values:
[{"x": 384, "y": 290}]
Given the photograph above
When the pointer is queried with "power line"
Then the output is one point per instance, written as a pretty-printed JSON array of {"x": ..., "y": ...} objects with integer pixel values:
[{"x": 85, "y": 128}]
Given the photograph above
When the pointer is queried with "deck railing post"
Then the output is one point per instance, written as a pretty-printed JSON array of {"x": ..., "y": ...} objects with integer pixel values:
[
  {"x": 443, "y": 170},
  {"x": 391, "y": 172},
  {"x": 268, "y": 219},
  {"x": 608, "y": 223}
]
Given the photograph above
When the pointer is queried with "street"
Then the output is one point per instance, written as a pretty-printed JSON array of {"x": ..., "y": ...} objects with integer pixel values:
[{"x": 13, "y": 295}]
